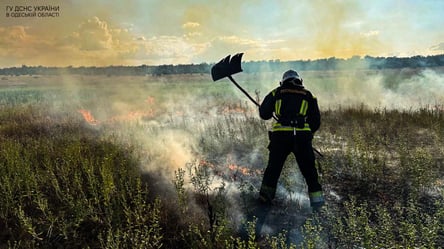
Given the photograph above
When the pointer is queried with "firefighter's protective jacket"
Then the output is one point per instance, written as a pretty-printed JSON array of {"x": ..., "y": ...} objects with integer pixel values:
[{"x": 295, "y": 108}]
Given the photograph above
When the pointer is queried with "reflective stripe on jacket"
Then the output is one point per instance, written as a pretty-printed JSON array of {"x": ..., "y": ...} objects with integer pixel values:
[
  {"x": 279, "y": 127},
  {"x": 295, "y": 108}
]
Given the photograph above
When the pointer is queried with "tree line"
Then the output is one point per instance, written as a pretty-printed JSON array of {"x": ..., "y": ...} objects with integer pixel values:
[{"x": 333, "y": 63}]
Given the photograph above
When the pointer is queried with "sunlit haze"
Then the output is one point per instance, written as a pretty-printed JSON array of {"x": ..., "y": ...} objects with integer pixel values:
[{"x": 153, "y": 32}]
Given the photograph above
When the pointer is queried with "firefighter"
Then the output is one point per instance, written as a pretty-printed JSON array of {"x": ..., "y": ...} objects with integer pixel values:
[{"x": 297, "y": 118}]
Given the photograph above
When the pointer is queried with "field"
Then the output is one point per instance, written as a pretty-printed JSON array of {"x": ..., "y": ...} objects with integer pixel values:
[{"x": 176, "y": 162}]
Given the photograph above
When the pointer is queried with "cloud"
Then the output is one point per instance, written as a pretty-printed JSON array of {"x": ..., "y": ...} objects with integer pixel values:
[
  {"x": 190, "y": 25},
  {"x": 438, "y": 47},
  {"x": 254, "y": 49},
  {"x": 245, "y": 43},
  {"x": 370, "y": 33},
  {"x": 12, "y": 35},
  {"x": 194, "y": 31},
  {"x": 95, "y": 35},
  {"x": 98, "y": 42},
  {"x": 17, "y": 44},
  {"x": 170, "y": 49},
  {"x": 238, "y": 41}
]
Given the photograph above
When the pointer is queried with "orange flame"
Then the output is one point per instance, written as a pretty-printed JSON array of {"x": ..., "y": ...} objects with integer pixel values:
[
  {"x": 233, "y": 109},
  {"x": 150, "y": 100},
  {"x": 244, "y": 170},
  {"x": 234, "y": 171},
  {"x": 124, "y": 117},
  {"x": 88, "y": 117}
]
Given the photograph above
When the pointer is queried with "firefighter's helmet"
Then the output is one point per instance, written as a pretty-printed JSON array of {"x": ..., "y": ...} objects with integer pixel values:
[{"x": 293, "y": 76}]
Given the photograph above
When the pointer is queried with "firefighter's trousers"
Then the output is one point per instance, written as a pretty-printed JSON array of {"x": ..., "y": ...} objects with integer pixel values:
[{"x": 282, "y": 143}]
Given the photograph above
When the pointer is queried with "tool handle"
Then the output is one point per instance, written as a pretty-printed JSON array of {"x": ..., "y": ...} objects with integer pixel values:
[
  {"x": 245, "y": 92},
  {"x": 240, "y": 88}
]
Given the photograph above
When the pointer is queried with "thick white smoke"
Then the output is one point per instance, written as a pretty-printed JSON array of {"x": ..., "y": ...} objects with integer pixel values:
[
  {"x": 405, "y": 89},
  {"x": 425, "y": 90},
  {"x": 422, "y": 90}
]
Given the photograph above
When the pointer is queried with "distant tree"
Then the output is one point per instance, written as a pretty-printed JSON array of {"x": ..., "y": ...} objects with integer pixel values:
[{"x": 332, "y": 63}]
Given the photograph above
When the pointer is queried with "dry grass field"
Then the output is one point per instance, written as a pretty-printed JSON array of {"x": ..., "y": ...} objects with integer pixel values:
[{"x": 176, "y": 162}]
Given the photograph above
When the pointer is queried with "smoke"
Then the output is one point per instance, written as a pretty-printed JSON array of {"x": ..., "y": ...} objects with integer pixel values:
[
  {"x": 407, "y": 89},
  {"x": 168, "y": 151},
  {"x": 153, "y": 113},
  {"x": 423, "y": 90},
  {"x": 390, "y": 89},
  {"x": 175, "y": 125},
  {"x": 331, "y": 36}
]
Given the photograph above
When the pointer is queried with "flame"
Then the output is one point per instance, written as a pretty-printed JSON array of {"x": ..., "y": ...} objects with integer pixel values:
[
  {"x": 230, "y": 171},
  {"x": 150, "y": 100},
  {"x": 130, "y": 116},
  {"x": 205, "y": 163},
  {"x": 244, "y": 170},
  {"x": 88, "y": 117},
  {"x": 234, "y": 109}
]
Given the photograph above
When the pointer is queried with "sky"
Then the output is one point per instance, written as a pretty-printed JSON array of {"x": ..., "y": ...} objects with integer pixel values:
[{"x": 154, "y": 32}]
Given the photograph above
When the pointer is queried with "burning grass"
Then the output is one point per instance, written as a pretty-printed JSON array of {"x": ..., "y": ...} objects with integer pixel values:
[{"x": 86, "y": 168}]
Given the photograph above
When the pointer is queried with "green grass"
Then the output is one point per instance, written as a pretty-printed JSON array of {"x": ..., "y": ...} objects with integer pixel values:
[
  {"x": 64, "y": 185},
  {"x": 388, "y": 172},
  {"x": 67, "y": 184}
]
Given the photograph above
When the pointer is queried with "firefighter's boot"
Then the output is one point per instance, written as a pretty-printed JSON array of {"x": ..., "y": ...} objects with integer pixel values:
[
  {"x": 316, "y": 201},
  {"x": 266, "y": 194}
]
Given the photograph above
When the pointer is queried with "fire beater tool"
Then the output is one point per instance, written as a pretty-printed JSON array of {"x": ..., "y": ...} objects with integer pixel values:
[
  {"x": 227, "y": 67},
  {"x": 232, "y": 65}
]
